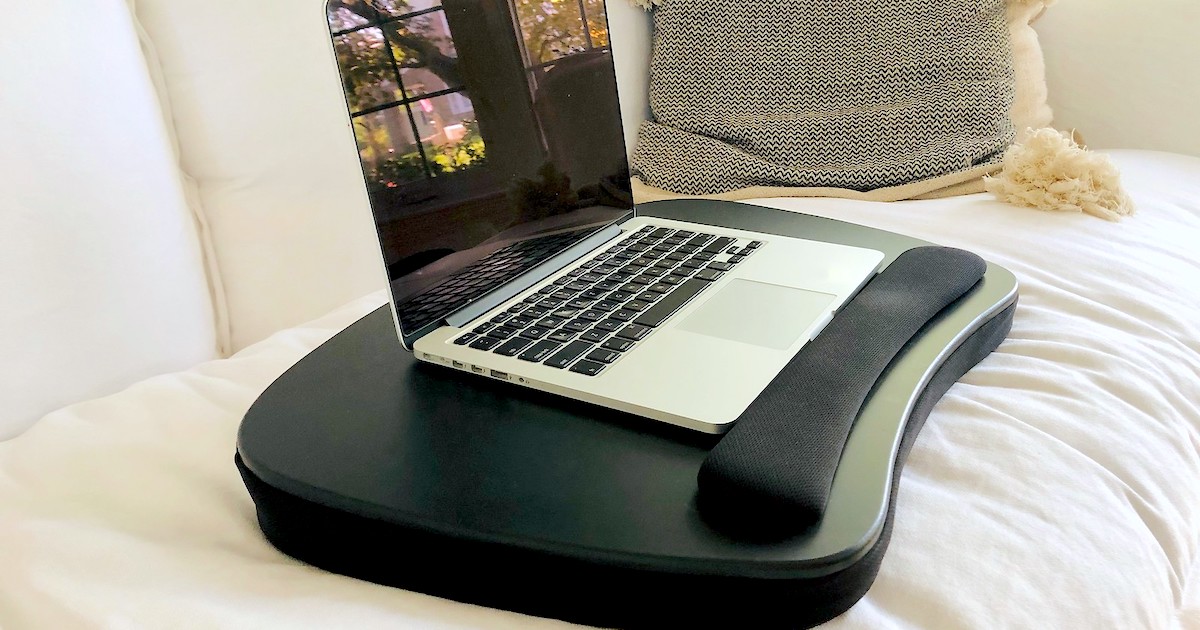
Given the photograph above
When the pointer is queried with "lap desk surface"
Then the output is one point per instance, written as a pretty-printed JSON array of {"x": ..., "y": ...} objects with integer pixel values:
[{"x": 365, "y": 462}]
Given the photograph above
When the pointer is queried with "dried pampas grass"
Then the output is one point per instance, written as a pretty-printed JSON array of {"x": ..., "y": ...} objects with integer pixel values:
[{"x": 1050, "y": 171}]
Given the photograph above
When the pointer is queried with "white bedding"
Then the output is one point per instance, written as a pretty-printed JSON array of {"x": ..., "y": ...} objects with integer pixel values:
[{"x": 1058, "y": 486}]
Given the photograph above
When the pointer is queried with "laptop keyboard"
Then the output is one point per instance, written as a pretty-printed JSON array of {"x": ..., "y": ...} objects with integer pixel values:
[
  {"x": 480, "y": 277},
  {"x": 587, "y": 319}
]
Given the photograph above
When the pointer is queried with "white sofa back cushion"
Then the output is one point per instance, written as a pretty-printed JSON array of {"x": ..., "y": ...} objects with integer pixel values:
[
  {"x": 263, "y": 130},
  {"x": 101, "y": 278}
]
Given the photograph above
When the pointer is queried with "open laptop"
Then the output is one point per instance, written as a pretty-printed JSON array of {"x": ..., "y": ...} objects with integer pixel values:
[{"x": 491, "y": 143}]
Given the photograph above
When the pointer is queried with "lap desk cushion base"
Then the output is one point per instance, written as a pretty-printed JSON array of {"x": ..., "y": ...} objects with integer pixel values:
[{"x": 445, "y": 482}]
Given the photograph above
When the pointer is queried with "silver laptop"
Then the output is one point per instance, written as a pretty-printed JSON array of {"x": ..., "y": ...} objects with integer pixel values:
[{"x": 491, "y": 143}]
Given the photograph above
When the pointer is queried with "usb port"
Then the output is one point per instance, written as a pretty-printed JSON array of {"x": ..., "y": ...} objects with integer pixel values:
[
  {"x": 476, "y": 369},
  {"x": 458, "y": 364},
  {"x": 499, "y": 374}
]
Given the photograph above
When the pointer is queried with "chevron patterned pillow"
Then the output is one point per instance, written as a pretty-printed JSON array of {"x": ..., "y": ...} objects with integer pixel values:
[{"x": 830, "y": 94}]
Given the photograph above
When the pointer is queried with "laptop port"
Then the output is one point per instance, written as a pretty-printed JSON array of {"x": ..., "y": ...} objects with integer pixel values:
[
  {"x": 459, "y": 364},
  {"x": 499, "y": 374},
  {"x": 476, "y": 369}
]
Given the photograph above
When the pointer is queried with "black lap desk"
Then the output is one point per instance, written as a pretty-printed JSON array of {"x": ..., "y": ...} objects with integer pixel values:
[{"x": 365, "y": 462}]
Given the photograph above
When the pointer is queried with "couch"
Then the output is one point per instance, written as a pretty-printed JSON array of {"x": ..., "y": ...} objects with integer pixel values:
[{"x": 182, "y": 218}]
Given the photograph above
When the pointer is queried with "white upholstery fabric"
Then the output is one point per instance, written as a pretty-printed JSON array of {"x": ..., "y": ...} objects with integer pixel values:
[
  {"x": 101, "y": 280},
  {"x": 1125, "y": 74},
  {"x": 1057, "y": 486},
  {"x": 262, "y": 129}
]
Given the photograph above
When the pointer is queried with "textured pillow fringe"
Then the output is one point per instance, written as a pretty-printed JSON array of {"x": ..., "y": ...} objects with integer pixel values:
[{"x": 1049, "y": 171}]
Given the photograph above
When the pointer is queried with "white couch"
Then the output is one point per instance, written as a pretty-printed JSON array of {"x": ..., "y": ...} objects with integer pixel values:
[{"x": 180, "y": 194}]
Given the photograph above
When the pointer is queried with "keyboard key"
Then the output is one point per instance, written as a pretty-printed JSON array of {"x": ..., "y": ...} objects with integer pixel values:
[
  {"x": 593, "y": 294},
  {"x": 650, "y": 274},
  {"x": 718, "y": 245},
  {"x": 660, "y": 287},
  {"x": 736, "y": 259},
  {"x": 551, "y": 303},
  {"x": 465, "y": 339},
  {"x": 661, "y": 233},
  {"x": 535, "y": 311},
  {"x": 694, "y": 264},
  {"x": 548, "y": 289},
  {"x": 617, "y": 344},
  {"x": 563, "y": 295},
  {"x": 580, "y": 303},
  {"x": 666, "y": 264},
  {"x": 587, "y": 368},
  {"x": 593, "y": 336},
  {"x": 483, "y": 328},
  {"x": 634, "y": 332},
  {"x": 539, "y": 351},
  {"x": 564, "y": 357},
  {"x": 699, "y": 239},
  {"x": 535, "y": 332},
  {"x": 632, "y": 289},
  {"x": 731, "y": 251},
  {"x": 705, "y": 256},
  {"x": 591, "y": 277},
  {"x": 620, "y": 276},
  {"x": 688, "y": 249},
  {"x": 685, "y": 234},
  {"x": 604, "y": 270},
  {"x": 485, "y": 343},
  {"x": 563, "y": 280},
  {"x": 561, "y": 336},
  {"x": 517, "y": 308},
  {"x": 607, "y": 285},
  {"x": 609, "y": 325},
  {"x": 533, "y": 298},
  {"x": 648, "y": 297},
  {"x": 513, "y": 346},
  {"x": 520, "y": 321},
  {"x": 678, "y": 256},
  {"x": 501, "y": 332},
  {"x": 550, "y": 322},
  {"x": 677, "y": 279},
  {"x": 564, "y": 313},
  {"x": 575, "y": 273},
  {"x": 592, "y": 315},
  {"x": 636, "y": 305},
  {"x": 671, "y": 303},
  {"x": 755, "y": 244},
  {"x": 624, "y": 315},
  {"x": 606, "y": 305},
  {"x": 720, "y": 266},
  {"x": 709, "y": 274},
  {"x": 577, "y": 325},
  {"x": 601, "y": 355}
]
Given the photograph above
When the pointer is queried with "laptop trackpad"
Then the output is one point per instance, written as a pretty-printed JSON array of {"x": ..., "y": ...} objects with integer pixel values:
[{"x": 757, "y": 313}]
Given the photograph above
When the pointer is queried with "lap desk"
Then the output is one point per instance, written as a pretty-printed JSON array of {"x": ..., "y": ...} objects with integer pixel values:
[{"x": 363, "y": 461}]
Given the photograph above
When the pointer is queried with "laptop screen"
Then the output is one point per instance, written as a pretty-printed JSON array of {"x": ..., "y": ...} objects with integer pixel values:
[{"x": 489, "y": 134}]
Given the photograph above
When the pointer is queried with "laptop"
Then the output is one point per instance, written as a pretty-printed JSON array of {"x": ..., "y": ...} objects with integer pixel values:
[{"x": 491, "y": 144}]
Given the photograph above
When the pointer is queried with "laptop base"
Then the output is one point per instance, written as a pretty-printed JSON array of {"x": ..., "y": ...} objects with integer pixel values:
[{"x": 363, "y": 462}]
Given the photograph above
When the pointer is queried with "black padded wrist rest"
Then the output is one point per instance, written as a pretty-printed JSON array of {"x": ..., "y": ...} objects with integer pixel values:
[{"x": 772, "y": 473}]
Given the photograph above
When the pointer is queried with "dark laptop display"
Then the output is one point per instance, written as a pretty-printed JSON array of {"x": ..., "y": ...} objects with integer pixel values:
[{"x": 489, "y": 134}]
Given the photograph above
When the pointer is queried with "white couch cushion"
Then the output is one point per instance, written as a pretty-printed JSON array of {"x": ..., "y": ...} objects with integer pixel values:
[
  {"x": 101, "y": 280},
  {"x": 1125, "y": 73},
  {"x": 263, "y": 130}
]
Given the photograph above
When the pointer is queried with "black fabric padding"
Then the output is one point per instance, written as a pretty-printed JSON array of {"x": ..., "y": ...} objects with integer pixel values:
[
  {"x": 594, "y": 593},
  {"x": 772, "y": 473}
]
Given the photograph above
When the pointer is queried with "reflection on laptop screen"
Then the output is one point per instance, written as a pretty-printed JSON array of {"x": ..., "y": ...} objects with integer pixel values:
[{"x": 489, "y": 134}]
